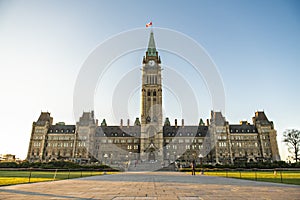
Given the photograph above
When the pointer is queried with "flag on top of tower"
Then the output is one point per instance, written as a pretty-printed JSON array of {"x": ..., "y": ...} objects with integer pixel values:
[{"x": 149, "y": 24}]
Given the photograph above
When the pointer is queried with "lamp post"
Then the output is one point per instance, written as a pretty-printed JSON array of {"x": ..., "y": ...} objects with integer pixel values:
[
  {"x": 105, "y": 158},
  {"x": 201, "y": 157}
]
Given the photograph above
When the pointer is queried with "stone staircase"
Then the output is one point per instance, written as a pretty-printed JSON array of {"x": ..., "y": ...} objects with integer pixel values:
[
  {"x": 144, "y": 166},
  {"x": 149, "y": 166}
]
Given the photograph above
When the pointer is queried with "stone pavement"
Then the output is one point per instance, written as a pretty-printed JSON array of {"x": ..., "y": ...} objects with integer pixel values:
[{"x": 150, "y": 186}]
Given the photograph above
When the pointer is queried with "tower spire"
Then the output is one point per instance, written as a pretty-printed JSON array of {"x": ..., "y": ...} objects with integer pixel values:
[{"x": 151, "y": 45}]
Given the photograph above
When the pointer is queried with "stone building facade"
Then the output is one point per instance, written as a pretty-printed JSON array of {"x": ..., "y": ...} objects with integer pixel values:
[{"x": 151, "y": 139}]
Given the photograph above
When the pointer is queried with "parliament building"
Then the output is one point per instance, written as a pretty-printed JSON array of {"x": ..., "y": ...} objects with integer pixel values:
[{"x": 152, "y": 139}]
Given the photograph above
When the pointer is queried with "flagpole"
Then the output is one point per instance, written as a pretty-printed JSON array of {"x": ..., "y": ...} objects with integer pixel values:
[{"x": 151, "y": 26}]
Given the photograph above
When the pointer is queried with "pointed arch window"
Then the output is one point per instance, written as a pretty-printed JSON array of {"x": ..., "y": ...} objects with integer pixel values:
[{"x": 148, "y": 119}]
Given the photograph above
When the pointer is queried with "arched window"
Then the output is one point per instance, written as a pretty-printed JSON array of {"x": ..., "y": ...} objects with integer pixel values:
[
  {"x": 148, "y": 119},
  {"x": 154, "y": 93}
]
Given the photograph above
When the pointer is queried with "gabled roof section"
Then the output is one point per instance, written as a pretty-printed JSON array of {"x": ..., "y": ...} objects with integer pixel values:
[
  {"x": 217, "y": 118},
  {"x": 86, "y": 119},
  {"x": 43, "y": 118},
  {"x": 260, "y": 117}
]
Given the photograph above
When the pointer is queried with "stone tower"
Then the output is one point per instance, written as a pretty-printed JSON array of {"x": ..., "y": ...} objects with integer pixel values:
[
  {"x": 151, "y": 105},
  {"x": 38, "y": 139}
]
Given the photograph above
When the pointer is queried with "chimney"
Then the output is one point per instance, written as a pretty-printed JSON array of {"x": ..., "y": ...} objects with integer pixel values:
[
  {"x": 182, "y": 123},
  {"x": 96, "y": 122},
  {"x": 121, "y": 123},
  {"x": 128, "y": 123},
  {"x": 175, "y": 123},
  {"x": 207, "y": 122}
]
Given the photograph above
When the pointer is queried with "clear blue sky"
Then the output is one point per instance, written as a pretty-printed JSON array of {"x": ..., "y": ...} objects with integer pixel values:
[{"x": 255, "y": 44}]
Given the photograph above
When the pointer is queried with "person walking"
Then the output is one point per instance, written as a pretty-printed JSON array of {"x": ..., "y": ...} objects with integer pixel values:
[{"x": 193, "y": 166}]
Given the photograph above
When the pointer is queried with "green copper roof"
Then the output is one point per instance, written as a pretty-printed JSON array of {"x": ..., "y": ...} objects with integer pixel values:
[
  {"x": 137, "y": 122},
  {"x": 201, "y": 123},
  {"x": 167, "y": 122},
  {"x": 151, "y": 45},
  {"x": 103, "y": 123}
]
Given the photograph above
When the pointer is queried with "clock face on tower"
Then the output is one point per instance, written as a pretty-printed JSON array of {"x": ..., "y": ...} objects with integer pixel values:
[{"x": 151, "y": 63}]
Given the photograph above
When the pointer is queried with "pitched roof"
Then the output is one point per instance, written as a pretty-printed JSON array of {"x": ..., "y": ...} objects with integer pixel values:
[
  {"x": 62, "y": 129},
  {"x": 242, "y": 128},
  {"x": 43, "y": 118},
  {"x": 186, "y": 131},
  {"x": 217, "y": 118},
  {"x": 117, "y": 131},
  {"x": 261, "y": 116}
]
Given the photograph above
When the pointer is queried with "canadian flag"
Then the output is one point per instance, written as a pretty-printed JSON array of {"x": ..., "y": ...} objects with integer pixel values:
[{"x": 149, "y": 24}]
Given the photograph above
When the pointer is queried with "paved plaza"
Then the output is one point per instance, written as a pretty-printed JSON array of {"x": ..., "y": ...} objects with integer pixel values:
[{"x": 151, "y": 185}]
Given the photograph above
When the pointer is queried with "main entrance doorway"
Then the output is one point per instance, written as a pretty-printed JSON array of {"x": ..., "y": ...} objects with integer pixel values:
[{"x": 151, "y": 156}]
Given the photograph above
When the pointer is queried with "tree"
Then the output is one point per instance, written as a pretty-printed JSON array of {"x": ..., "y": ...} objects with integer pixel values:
[{"x": 292, "y": 139}]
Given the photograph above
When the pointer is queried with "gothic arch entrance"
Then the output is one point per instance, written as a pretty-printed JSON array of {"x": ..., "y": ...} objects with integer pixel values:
[{"x": 151, "y": 156}]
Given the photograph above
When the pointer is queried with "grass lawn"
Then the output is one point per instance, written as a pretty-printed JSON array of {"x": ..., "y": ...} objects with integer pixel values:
[
  {"x": 290, "y": 177},
  {"x": 17, "y": 177}
]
